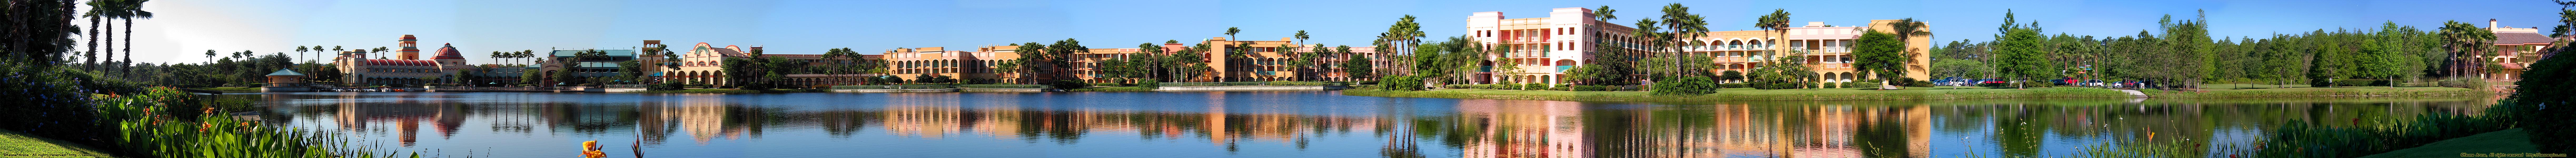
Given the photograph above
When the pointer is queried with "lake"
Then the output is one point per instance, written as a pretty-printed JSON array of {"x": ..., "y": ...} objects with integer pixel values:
[{"x": 1287, "y": 124}]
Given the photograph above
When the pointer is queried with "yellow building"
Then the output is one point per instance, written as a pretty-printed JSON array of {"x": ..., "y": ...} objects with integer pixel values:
[{"x": 704, "y": 64}]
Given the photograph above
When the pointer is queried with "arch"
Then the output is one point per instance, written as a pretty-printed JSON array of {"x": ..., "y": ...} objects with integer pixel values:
[{"x": 1565, "y": 62}]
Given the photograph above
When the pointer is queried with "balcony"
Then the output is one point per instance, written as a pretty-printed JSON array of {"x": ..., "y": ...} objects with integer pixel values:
[{"x": 1561, "y": 69}]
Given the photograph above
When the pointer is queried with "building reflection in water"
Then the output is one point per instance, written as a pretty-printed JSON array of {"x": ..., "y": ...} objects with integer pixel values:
[{"x": 1234, "y": 121}]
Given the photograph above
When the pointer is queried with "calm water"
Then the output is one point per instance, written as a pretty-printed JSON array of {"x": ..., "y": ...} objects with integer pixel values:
[{"x": 1284, "y": 124}]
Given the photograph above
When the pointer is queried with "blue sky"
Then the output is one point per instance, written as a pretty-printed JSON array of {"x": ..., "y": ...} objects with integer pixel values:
[{"x": 184, "y": 29}]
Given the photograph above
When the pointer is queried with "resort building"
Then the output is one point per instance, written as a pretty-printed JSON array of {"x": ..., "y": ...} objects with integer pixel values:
[
  {"x": 704, "y": 64},
  {"x": 361, "y": 70},
  {"x": 603, "y": 63},
  {"x": 1543, "y": 48},
  {"x": 1086, "y": 65},
  {"x": 2516, "y": 49},
  {"x": 818, "y": 71},
  {"x": 1251, "y": 61},
  {"x": 939, "y": 63},
  {"x": 1825, "y": 48}
]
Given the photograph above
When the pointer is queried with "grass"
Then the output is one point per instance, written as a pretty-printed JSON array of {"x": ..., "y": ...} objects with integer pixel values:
[
  {"x": 1117, "y": 89},
  {"x": 231, "y": 89},
  {"x": 12, "y": 142},
  {"x": 1749, "y": 94},
  {"x": 2317, "y": 92},
  {"x": 2245, "y": 85},
  {"x": 739, "y": 91},
  {"x": 2505, "y": 141}
]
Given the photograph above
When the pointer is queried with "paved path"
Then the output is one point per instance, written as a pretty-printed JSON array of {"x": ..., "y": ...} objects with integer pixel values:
[{"x": 2133, "y": 93}]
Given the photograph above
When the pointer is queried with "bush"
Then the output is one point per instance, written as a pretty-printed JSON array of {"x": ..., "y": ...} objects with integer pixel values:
[
  {"x": 2358, "y": 83},
  {"x": 1686, "y": 86},
  {"x": 1296, "y": 83},
  {"x": 1993, "y": 85},
  {"x": 1860, "y": 84},
  {"x": 1733, "y": 85},
  {"x": 1067, "y": 84},
  {"x": 1591, "y": 88},
  {"x": 1150, "y": 83},
  {"x": 1368, "y": 82},
  {"x": 1911, "y": 82},
  {"x": 1505, "y": 86},
  {"x": 2543, "y": 91},
  {"x": 2036, "y": 84},
  {"x": 663, "y": 86},
  {"x": 1401, "y": 83},
  {"x": 1534, "y": 86},
  {"x": 1104, "y": 84},
  {"x": 1560, "y": 88}
]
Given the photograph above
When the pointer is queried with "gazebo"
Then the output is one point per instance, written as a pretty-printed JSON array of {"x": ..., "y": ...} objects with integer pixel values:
[{"x": 285, "y": 80}]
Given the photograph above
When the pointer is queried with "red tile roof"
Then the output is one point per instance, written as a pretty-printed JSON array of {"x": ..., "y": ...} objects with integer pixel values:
[
  {"x": 448, "y": 52},
  {"x": 402, "y": 62}
]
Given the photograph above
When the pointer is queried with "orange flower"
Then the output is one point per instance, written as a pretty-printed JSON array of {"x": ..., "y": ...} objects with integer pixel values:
[
  {"x": 210, "y": 110},
  {"x": 590, "y": 149},
  {"x": 204, "y": 126}
]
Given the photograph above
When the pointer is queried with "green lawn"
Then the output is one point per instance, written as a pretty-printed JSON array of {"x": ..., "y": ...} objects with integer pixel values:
[
  {"x": 2234, "y": 86},
  {"x": 2506, "y": 141},
  {"x": 2316, "y": 92},
  {"x": 1112, "y": 89},
  {"x": 12, "y": 142}
]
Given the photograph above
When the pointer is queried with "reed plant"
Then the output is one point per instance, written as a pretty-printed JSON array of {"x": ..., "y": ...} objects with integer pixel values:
[
  {"x": 147, "y": 125},
  {"x": 2355, "y": 138}
]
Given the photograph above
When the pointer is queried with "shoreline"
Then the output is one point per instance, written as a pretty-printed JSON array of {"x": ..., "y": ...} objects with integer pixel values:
[{"x": 1748, "y": 94}]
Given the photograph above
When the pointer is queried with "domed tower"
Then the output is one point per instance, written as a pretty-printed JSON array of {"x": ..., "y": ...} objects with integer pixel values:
[
  {"x": 410, "y": 48},
  {"x": 448, "y": 59}
]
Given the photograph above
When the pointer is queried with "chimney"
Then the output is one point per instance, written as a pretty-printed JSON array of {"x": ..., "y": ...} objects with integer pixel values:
[
  {"x": 2491, "y": 23},
  {"x": 753, "y": 49},
  {"x": 1284, "y": 38}
]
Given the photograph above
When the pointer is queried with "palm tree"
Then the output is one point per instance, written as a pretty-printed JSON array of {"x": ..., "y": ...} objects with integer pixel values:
[
  {"x": 1301, "y": 37},
  {"x": 1776, "y": 21},
  {"x": 299, "y": 50},
  {"x": 1684, "y": 26},
  {"x": 129, "y": 10},
  {"x": 2466, "y": 43},
  {"x": 96, "y": 12},
  {"x": 210, "y": 56},
  {"x": 838, "y": 55},
  {"x": 1229, "y": 33}
]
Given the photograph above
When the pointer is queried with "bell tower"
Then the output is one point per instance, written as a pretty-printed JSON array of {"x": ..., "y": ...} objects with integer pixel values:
[{"x": 410, "y": 48}]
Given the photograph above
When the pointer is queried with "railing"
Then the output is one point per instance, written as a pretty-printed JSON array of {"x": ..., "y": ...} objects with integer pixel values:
[
  {"x": 1563, "y": 68},
  {"x": 898, "y": 87},
  {"x": 1021, "y": 86},
  {"x": 1837, "y": 49},
  {"x": 1187, "y": 84},
  {"x": 622, "y": 86}
]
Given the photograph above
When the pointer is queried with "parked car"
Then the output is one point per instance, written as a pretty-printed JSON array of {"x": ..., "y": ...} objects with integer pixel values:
[{"x": 2091, "y": 83}]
